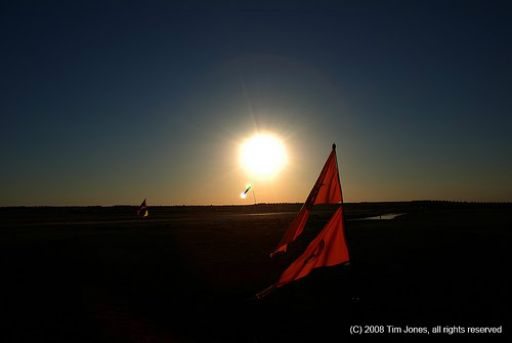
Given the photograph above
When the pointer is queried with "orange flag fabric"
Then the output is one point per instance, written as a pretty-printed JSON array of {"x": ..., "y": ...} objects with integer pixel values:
[
  {"x": 294, "y": 230},
  {"x": 329, "y": 248},
  {"x": 327, "y": 190}
]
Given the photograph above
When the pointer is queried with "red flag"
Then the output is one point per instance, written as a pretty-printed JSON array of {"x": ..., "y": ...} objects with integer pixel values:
[
  {"x": 329, "y": 248},
  {"x": 294, "y": 230},
  {"x": 327, "y": 190}
]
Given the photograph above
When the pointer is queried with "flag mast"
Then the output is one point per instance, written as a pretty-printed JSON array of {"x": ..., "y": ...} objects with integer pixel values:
[
  {"x": 254, "y": 196},
  {"x": 343, "y": 221}
]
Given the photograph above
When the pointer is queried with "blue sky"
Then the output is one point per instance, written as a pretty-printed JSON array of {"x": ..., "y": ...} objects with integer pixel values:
[{"x": 108, "y": 103}]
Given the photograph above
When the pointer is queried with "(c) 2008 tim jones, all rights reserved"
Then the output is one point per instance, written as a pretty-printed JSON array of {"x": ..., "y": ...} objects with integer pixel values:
[{"x": 438, "y": 329}]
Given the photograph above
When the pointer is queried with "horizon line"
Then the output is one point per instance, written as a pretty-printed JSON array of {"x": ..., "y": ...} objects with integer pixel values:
[{"x": 273, "y": 203}]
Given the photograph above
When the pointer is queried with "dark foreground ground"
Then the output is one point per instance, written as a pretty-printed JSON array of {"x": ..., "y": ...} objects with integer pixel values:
[{"x": 189, "y": 274}]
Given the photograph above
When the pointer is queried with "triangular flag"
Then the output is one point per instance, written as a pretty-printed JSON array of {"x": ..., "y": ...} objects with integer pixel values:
[
  {"x": 329, "y": 248},
  {"x": 294, "y": 230},
  {"x": 327, "y": 190},
  {"x": 328, "y": 183}
]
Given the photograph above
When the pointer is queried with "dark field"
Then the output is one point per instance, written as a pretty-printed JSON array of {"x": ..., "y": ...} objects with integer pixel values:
[{"x": 190, "y": 273}]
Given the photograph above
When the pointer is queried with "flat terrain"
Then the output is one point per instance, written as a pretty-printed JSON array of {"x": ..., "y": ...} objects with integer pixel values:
[{"x": 189, "y": 274}]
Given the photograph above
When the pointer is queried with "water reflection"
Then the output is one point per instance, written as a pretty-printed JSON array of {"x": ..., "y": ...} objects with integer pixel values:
[{"x": 387, "y": 216}]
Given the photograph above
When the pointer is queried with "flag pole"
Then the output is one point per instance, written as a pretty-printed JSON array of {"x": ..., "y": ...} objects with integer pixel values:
[
  {"x": 254, "y": 195},
  {"x": 344, "y": 225},
  {"x": 344, "y": 222},
  {"x": 265, "y": 292}
]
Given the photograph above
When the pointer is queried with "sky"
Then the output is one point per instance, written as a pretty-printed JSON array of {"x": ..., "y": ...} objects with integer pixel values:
[{"x": 107, "y": 103}]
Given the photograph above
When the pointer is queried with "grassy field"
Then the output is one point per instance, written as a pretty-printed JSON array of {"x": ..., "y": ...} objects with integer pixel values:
[{"x": 189, "y": 274}]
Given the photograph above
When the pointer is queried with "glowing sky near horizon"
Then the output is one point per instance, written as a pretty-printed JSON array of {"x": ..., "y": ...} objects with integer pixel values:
[{"x": 108, "y": 103}]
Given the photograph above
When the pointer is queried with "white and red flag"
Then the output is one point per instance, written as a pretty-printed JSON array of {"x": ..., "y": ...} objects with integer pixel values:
[{"x": 142, "y": 211}]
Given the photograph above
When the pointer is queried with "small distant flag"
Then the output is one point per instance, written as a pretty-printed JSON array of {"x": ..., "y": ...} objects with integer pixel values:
[
  {"x": 248, "y": 188},
  {"x": 142, "y": 211}
]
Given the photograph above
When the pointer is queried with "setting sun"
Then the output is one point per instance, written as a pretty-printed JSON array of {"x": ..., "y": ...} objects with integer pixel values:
[{"x": 263, "y": 155}]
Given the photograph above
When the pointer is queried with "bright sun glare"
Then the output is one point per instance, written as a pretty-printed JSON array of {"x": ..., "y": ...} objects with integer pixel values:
[{"x": 263, "y": 155}]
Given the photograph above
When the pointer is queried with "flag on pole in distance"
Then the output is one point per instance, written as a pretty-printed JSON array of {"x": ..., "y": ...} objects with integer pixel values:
[
  {"x": 142, "y": 211},
  {"x": 327, "y": 190},
  {"x": 329, "y": 248}
]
